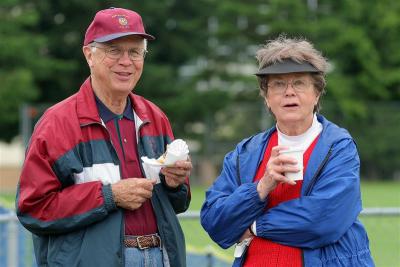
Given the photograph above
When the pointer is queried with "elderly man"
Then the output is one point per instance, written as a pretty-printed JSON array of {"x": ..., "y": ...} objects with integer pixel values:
[{"x": 82, "y": 191}]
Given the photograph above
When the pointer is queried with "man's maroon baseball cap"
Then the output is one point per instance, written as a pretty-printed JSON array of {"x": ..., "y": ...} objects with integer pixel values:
[{"x": 112, "y": 23}]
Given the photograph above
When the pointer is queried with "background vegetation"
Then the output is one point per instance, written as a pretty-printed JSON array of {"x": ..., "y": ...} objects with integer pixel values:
[
  {"x": 200, "y": 67},
  {"x": 200, "y": 72}
]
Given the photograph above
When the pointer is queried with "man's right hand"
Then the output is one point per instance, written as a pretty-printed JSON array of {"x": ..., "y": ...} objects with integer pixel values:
[{"x": 131, "y": 193}]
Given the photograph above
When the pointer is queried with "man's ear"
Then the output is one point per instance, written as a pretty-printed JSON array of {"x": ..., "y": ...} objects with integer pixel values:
[{"x": 88, "y": 53}]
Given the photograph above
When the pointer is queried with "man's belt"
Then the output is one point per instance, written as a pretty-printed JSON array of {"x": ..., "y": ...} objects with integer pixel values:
[{"x": 143, "y": 241}]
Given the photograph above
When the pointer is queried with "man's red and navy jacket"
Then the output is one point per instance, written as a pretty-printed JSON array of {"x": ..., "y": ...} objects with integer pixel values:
[{"x": 64, "y": 194}]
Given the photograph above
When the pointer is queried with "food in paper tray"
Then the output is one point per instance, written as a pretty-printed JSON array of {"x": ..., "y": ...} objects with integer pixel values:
[
  {"x": 177, "y": 150},
  {"x": 161, "y": 159}
]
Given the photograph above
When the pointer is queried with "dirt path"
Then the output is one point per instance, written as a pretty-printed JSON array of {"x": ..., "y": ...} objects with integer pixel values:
[{"x": 9, "y": 178}]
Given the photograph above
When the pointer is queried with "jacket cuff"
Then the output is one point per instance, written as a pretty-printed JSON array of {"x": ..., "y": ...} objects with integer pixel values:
[
  {"x": 253, "y": 228},
  {"x": 108, "y": 198},
  {"x": 170, "y": 189}
]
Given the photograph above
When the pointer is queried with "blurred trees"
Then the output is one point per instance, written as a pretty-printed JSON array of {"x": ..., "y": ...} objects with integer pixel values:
[
  {"x": 20, "y": 66},
  {"x": 203, "y": 57}
]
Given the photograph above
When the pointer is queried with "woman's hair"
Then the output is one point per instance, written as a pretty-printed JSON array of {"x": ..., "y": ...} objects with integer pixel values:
[{"x": 297, "y": 49}]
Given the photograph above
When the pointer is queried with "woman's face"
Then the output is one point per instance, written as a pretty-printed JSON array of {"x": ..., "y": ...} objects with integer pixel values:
[{"x": 291, "y": 98}]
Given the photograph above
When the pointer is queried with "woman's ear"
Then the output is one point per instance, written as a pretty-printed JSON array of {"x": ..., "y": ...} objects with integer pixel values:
[
  {"x": 88, "y": 53},
  {"x": 317, "y": 99},
  {"x": 266, "y": 102}
]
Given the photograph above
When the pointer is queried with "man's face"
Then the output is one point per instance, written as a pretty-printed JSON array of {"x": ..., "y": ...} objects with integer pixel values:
[{"x": 115, "y": 69}]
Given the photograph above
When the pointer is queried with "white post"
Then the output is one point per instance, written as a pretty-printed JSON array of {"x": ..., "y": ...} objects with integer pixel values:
[{"x": 12, "y": 243}]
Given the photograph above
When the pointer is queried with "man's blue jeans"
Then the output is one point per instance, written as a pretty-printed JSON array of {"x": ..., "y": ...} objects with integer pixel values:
[{"x": 149, "y": 257}]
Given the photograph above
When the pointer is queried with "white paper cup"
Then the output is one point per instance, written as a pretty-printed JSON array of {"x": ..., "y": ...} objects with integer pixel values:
[
  {"x": 171, "y": 158},
  {"x": 298, "y": 155},
  {"x": 152, "y": 172}
]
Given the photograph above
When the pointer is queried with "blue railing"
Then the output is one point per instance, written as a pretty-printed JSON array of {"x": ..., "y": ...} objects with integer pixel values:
[{"x": 16, "y": 248}]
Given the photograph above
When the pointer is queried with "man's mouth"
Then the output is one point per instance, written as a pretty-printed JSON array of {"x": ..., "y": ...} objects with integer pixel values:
[{"x": 125, "y": 74}]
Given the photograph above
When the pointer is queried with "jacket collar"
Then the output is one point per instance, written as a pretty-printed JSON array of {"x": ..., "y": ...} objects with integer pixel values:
[
  {"x": 87, "y": 109},
  {"x": 251, "y": 151},
  {"x": 106, "y": 114}
]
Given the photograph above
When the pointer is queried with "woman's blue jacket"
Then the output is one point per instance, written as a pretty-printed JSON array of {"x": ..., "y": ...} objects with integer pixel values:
[{"x": 322, "y": 221}]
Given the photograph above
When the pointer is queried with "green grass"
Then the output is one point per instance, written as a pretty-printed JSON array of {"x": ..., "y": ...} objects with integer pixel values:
[
  {"x": 384, "y": 238},
  {"x": 197, "y": 240},
  {"x": 7, "y": 200},
  {"x": 380, "y": 194},
  {"x": 383, "y": 232}
]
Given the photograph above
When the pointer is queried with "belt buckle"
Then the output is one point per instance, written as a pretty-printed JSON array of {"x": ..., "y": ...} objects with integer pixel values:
[
  {"x": 139, "y": 244},
  {"x": 156, "y": 238}
]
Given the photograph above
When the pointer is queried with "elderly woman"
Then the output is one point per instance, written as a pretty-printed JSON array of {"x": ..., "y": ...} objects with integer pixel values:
[{"x": 275, "y": 220}]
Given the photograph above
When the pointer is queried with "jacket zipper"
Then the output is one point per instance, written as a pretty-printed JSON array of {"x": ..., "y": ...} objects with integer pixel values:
[
  {"x": 119, "y": 164},
  {"x": 317, "y": 173},
  {"x": 141, "y": 167},
  {"x": 310, "y": 187},
  {"x": 239, "y": 179},
  {"x": 139, "y": 150}
]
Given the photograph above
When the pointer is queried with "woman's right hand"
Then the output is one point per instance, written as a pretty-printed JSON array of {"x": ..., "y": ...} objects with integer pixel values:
[
  {"x": 246, "y": 234},
  {"x": 274, "y": 172}
]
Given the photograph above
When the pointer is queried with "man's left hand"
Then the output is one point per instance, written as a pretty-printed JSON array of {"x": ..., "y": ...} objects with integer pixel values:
[{"x": 176, "y": 174}]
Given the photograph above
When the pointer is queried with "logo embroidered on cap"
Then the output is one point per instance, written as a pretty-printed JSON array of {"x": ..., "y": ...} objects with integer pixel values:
[{"x": 122, "y": 20}]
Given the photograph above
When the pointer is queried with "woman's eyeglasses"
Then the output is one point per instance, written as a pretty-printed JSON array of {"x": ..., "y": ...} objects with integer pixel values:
[{"x": 280, "y": 86}]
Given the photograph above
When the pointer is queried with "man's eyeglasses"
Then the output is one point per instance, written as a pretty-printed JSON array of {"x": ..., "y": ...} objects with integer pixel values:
[
  {"x": 280, "y": 86},
  {"x": 115, "y": 52}
]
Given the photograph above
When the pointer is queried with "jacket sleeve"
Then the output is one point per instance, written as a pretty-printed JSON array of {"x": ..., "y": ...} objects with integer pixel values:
[
  {"x": 179, "y": 197},
  {"x": 230, "y": 208},
  {"x": 44, "y": 206},
  {"x": 322, "y": 217}
]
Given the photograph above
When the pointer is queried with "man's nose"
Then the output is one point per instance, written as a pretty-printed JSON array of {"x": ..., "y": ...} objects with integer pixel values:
[{"x": 125, "y": 59}]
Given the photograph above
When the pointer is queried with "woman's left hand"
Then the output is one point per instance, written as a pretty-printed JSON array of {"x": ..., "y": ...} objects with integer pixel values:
[{"x": 176, "y": 174}]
